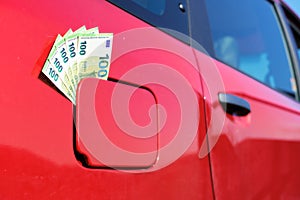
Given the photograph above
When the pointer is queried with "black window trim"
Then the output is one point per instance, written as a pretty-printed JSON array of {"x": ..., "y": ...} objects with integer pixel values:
[
  {"x": 178, "y": 34},
  {"x": 200, "y": 27},
  {"x": 291, "y": 48}
]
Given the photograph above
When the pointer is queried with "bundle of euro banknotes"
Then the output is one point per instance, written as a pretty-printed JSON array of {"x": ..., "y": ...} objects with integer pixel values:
[{"x": 77, "y": 55}]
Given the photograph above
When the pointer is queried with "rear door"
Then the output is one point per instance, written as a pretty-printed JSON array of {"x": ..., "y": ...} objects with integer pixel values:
[
  {"x": 36, "y": 132},
  {"x": 149, "y": 60},
  {"x": 254, "y": 142}
]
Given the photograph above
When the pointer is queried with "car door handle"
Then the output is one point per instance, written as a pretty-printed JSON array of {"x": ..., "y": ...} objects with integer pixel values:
[{"x": 234, "y": 105}]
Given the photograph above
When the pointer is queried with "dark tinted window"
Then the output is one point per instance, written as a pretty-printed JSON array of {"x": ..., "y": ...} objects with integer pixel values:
[
  {"x": 246, "y": 35},
  {"x": 296, "y": 33},
  {"x": 159, "y": 13},
  {"x": 155, "y": 6}
]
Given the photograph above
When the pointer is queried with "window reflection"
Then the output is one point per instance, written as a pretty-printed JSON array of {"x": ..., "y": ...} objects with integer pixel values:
[{"x": 247, "y": 36}]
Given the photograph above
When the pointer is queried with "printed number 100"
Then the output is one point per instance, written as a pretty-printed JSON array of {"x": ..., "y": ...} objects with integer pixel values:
[
  {"x": 103, "y": 65},
  {"x": 53, "y": 74}
]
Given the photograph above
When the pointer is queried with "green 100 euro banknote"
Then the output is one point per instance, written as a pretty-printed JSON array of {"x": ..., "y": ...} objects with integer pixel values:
[{"x": 77, "y": 55}]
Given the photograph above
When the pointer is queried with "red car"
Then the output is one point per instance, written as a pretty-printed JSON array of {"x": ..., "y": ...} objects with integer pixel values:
[{"x": 202, "y": 102}]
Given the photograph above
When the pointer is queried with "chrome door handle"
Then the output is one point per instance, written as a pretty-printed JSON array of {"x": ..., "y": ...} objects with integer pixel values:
[{"x": 234, "y": 105}]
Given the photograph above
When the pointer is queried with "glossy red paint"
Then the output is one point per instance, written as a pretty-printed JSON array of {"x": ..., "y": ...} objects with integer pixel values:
[
  {"x": 106, "y": 125},
  {"x": 256, "y": 155},
  {"x": 251, "y": 160},
  {"x": 36, "y": 133}
]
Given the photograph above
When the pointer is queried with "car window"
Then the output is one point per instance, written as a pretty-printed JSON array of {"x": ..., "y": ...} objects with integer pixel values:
[
  {"x": 296, "y": 35},
  {"x": 247, "y": 36},
  {"x": 155, "y": 6},
  {"x": 170, "y": 16}
]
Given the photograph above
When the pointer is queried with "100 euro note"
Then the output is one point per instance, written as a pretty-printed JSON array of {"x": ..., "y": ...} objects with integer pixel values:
[
  {"x": 72, "y": 48},
  {"x": 68, "y": 58},
  {"x": 94, "y": 52},
  {"x": 77, "y": 55},
  {"x": 53, "y": 74},
  {"x": 71, "y": 45},
  {"x": 59, "y": 59}
]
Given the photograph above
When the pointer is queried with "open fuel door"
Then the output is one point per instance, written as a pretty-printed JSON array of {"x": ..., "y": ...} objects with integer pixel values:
[{"x": 116, "y": 125}]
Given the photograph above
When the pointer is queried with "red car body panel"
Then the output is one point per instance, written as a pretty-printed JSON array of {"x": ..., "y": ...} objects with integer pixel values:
[
  {"x": 36, "y": 133},
  {"x": 256, "y": 156},
  {"x": 251, "y": 160}
]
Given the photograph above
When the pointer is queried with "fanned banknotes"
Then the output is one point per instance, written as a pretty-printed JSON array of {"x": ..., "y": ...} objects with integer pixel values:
[{"x": 76, "y": 55}]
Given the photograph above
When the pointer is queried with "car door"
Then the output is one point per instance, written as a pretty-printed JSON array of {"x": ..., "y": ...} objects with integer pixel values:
[
  {"x": 38, "y": 145},
  {"x": 157, "y": 59},
  {"x": 254, "y": 143}
]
